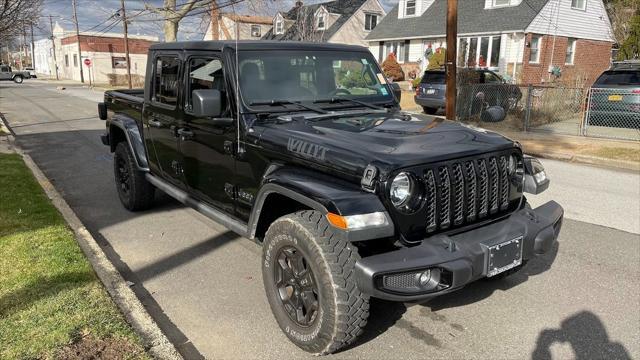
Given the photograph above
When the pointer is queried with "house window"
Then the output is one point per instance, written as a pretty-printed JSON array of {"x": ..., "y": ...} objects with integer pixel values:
[
  {"x": 534, "y": 49},
  {"x": 579, "y": 4},
  {"x": 279, "y": 27},
  {"x": 321, "y": 24},
  {"x": 118, "y": 62},
  {"x": 571, "y": 50},
  {"x": 410, "y": 8},
  {"x": 75, "y": 60},
  {"x": 498, "y": 3},
  {"x": 256, "y": 31},
  {"x": 483, "y": 51},
  {"x": 370, "y": 21},
  {"x": 396, "y": 47},
  {"x": 66, "y": 60}
]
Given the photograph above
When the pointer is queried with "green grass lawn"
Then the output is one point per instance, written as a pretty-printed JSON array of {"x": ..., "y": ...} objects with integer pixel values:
[{"x": 51, "y": 303}]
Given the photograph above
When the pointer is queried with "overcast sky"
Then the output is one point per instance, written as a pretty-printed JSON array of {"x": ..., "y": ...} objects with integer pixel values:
[{"x": 97, "y": 15}]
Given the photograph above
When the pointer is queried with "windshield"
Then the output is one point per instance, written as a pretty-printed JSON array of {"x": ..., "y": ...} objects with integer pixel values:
[
  {"x": 619, "y": 78},
  {"x": 308, "y": 76}
]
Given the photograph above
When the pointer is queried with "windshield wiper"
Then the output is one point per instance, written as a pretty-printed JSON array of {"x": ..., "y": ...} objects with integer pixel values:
[
  {"x": 287, "y": 102},
  {"x": 341, "y": 99}
]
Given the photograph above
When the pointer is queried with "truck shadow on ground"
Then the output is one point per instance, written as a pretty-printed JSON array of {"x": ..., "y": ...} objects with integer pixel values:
[{"x": 586, "y": 335}]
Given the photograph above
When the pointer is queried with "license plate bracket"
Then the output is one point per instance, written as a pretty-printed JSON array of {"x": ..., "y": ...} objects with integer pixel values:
[{"x": 504, "y": 256}]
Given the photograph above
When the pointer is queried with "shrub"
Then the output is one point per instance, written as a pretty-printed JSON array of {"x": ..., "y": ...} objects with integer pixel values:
[
  {"x": 392, "y": 69},
  {"x": 438, "y": 59},
  {"x": 416, "y": 81}
]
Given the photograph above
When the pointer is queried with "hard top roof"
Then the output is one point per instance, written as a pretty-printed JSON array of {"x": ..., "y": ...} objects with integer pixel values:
[{"x": 254, "y": 45}]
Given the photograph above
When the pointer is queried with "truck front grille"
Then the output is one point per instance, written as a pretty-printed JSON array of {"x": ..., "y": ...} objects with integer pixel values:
[{"x": 460, "y": 193}]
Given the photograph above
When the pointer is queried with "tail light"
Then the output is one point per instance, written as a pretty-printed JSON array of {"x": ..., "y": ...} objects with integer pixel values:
[
  {"x": 635, "y": 91},
  {"x": 418, "y": 90}
]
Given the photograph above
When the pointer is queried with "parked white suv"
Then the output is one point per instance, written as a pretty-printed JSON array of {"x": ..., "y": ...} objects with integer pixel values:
[{"x": 32, "y": 72}]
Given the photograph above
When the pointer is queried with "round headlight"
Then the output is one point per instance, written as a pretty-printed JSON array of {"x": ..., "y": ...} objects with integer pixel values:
[{"x": 401, "y": 188}]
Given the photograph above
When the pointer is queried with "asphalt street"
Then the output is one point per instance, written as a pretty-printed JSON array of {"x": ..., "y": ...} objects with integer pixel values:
[{"x": 203, "y": 285}]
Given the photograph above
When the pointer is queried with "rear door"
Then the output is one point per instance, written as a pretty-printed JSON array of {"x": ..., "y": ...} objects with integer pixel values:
[
  {"x": 207, "y": 148},
  {"x": 433, "y": 85},
  {"x": 161, "y": 116}
]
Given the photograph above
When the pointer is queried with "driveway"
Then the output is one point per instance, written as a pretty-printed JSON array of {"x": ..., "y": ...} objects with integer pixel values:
[{"x": 202, "y": 283}]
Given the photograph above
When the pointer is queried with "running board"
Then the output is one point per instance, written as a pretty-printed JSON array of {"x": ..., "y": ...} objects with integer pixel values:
[{"x": 206, "y": 210}]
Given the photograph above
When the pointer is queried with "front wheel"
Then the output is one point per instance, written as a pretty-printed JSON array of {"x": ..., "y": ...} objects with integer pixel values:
[
  {"x": 309, "y": 280},
  {"x": 17, "y": 79}
]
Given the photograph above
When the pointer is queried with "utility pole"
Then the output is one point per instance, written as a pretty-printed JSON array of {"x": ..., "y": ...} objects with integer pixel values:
[
  {"x": 126, "y": 42},
  {"x": 33, "y": 47},
  {"x": 53, "y": 46},
  {"x": 451, "y": 61},
  {"x": 75, "y": 18},
  {"x": 215, "y": 17}
]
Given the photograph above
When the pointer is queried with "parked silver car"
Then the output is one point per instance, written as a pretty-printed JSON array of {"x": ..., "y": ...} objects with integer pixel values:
[{"x": 614, "y": 98}]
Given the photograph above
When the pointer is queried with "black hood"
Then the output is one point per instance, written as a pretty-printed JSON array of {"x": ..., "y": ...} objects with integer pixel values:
[{"x": 347, "y": 144}]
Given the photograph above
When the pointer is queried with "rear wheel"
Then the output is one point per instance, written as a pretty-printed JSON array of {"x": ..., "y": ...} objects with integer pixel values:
[
  {"x": 17, "y": 79},
  {"x": 135, "y": 192},
  {"x": 308, "y": 275},
  {"x": 429, "y": 110}
]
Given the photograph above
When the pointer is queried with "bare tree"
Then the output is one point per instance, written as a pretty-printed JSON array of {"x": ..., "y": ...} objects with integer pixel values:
[
  {"x": 305, "y": 25},
  {"x": 14, "y": 14},
  {"x": 173, "y": 15},
  {"x": 620, "y": 13}
]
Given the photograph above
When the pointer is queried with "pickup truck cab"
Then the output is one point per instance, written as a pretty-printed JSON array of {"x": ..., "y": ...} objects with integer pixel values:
[
  {"x": 6, "y": 74},
  {"x": 302, "y": 147}
]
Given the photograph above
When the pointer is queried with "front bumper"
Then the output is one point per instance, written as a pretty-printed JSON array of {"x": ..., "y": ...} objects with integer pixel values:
[{"x": 464, "y": 257}]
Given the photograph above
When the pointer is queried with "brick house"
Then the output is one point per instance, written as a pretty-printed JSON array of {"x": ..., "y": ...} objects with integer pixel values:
[
  {"x": 529, "y": 41},
  {"x": 106, "y": 52}
]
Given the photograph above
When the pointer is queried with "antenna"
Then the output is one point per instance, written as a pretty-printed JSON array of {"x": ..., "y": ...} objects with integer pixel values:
[{"x": 233, "y": 7}]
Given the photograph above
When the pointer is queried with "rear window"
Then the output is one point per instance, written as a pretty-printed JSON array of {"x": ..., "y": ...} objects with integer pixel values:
[
  {"x": 434, "y": 77},
  {"x": 619, "y": 78}
]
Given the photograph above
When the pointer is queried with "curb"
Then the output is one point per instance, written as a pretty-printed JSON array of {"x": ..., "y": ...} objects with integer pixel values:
[
  {"x": 155, "y": 341},
  {"x": 590, "y": 160}
]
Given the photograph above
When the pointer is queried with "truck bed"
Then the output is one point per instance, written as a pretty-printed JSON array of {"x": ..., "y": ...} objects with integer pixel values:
[{"x": 126, "y": 101}]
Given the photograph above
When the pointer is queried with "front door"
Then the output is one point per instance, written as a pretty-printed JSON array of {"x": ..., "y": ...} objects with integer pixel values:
[
  {"x": 207, "y": 148},
  {"x": 162, "y": 116},
  {"x": 5, "y": 73}
]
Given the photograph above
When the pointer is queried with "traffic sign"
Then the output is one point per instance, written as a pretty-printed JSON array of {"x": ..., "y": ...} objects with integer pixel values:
[{"x": 87, "y": 62}]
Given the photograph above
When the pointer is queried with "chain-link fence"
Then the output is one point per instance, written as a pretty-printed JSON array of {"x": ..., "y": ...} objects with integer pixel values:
[{"x": 613, "y": 113}]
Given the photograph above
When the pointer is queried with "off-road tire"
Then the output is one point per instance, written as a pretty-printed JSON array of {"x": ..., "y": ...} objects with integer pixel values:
[
  {"x": 18, "y": 79},
  {"x": 429, "y": 110},
  {"x": 342, "y": 309},
  {"x": 139, "y": 194}
]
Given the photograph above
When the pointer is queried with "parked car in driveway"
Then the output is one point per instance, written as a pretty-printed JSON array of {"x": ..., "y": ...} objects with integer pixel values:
[
  {"x": 6, "y": 74},
  {"x": 478, "y": 90},
  {"x": 614, "y": 98}
]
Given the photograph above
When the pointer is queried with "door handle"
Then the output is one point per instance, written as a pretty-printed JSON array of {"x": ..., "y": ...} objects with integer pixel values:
[
  {"x": 155, "y": 123},
  {"x": 185, "y": 134}
]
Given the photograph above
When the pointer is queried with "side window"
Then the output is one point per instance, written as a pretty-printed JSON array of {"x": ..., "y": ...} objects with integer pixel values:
[
  {"x": 165, "y": 82},
  {"x": 205, "y": 74},
  {"x": 4, "y": 69},
  {"x": 491, "y": 78}
]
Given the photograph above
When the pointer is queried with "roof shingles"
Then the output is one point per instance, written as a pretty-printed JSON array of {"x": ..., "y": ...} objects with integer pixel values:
[{"x": 472, "y": 18}]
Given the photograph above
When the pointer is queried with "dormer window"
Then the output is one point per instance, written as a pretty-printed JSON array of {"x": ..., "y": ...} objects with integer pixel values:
[
  {"x": 279, "y": 27},
  {"x": 498, "y": 3},
  {"x": 490, "y": 4},
  {"x": 370, "y": 21},
  {"x": 410, "y": 8},
  {"x": 321, "y": 22},
  {"x": 579, "y": 4}
]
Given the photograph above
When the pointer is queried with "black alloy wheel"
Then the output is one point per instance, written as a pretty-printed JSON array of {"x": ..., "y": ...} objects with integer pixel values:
[
  {"x": 123, "y": 176},
  {"x": 296, "y": 286}
]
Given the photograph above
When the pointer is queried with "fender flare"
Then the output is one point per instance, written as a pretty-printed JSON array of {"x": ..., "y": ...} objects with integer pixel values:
[
  {"x": 129, "y": 128},
  {"x": 324, "y": 194}
]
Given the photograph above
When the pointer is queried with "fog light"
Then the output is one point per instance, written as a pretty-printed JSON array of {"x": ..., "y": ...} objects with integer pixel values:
[{"x": 429, "y": 279}]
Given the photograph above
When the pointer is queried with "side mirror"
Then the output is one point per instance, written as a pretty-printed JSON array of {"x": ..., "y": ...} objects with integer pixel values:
[
  {"x": 206, "y": 103},
  {"x": 397, "y": 91}
]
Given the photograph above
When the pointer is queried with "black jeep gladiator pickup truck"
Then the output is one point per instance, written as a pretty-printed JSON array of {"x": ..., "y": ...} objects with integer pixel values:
[{"x": 302, "y": 147}]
